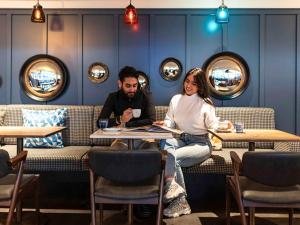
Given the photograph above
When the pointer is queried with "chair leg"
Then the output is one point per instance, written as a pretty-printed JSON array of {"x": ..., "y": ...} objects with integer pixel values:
[
  {"x": 93, "y": 213},
  {"x": 130, "y": 212},
  {"x": 251, "y": 216},
  {"x": 291, "y": 215},
  {"x": 10, "y": 213},
  {"x": 19, "y": 211},
  {"x": 228, "y": 203},
  {"x": 37, "y": 202},
  {"x": 101, "y": 213},
  {"x": 159, "y": 213},
  {"x": 242, "y": 211}
]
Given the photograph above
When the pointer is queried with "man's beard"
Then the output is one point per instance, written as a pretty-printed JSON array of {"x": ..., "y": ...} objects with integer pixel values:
[{"x": 131, "y": 94}]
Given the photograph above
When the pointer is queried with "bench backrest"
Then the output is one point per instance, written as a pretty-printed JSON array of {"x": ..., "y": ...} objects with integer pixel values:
[{"x": 81, "y": 121}]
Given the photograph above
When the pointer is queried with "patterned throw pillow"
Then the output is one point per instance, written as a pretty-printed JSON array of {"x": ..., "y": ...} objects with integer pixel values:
[{"x": 44, "y": 118}]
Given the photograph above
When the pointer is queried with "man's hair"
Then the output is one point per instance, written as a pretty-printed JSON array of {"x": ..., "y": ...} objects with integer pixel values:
[{"x": 127, "y": 71}]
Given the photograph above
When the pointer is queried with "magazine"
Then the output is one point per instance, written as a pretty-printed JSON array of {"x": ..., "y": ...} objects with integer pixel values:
[{"x": 155, "y": 128}]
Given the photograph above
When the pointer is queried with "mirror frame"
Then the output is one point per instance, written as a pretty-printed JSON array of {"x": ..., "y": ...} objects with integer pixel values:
[
  {"x": 146, "y": 78},
  {"x": 40, "y": 62},
  {"x": 232, "y": 61},
  {"x": 163, "y": 65},
  {"x": 98, "y": 80}
]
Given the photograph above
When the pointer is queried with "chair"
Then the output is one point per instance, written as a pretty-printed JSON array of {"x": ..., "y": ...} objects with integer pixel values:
[
  {"x": 126, "y": 177},
  {"x": 15, "y": 186},
  {"x": 270, "y": 179}
]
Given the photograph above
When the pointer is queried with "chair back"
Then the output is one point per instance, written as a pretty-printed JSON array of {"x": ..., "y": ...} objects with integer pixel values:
[
  {"x": 272, "y": 168},
  {"x": 125, "y": 166},
  {"x": 5, "y": 168}
]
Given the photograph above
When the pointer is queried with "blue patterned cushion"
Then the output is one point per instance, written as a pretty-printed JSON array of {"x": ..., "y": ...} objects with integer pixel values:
[{"x": 44, "y": 118}]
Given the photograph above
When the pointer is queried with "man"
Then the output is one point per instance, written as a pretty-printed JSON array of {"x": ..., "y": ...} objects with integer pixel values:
[{"x": 128, "y": 97}]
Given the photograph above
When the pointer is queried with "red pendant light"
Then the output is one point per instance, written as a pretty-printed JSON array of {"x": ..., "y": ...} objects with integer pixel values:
[{"x": 130, "y": 15}]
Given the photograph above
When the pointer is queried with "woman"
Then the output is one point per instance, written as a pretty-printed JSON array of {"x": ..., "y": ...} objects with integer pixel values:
[{"x": 193, "y": 113}]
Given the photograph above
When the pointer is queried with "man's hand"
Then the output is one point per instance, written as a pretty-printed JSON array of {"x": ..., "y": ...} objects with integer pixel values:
[{"x": 127, "y": 115}]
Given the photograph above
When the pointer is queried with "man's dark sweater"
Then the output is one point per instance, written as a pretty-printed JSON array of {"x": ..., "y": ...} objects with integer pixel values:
[{"x": 118, "y": 102}]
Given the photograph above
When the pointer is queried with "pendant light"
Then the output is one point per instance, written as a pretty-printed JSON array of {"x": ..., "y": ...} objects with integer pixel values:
[
  {"x": 130, "y": 15},
  {"x": 222, "y": 14},
  {"x": 38, "y": 15}
]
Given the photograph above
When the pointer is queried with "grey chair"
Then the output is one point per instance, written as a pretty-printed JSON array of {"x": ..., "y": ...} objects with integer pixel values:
[
  {"x": 126, "y": 177},
  {"x": 264, "y": 179},
  {"x": 15, "y": 186}
]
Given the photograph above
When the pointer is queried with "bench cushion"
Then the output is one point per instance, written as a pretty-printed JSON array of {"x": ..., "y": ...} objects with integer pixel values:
[{"x": 40, "y": 159}]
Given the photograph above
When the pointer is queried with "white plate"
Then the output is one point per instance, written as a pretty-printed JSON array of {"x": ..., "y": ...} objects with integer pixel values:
[
  {"x": 225, "y": 130},
  {"x": 112, "y": 129}
]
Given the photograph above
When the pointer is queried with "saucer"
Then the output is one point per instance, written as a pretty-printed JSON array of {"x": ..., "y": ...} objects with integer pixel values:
[{"x": 111, "y": 129}]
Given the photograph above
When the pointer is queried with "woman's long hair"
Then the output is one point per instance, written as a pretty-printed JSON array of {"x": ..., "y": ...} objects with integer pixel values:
[{"x": 200, "y": 80}]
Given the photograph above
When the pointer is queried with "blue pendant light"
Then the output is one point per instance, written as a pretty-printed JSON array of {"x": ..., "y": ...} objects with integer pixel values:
[{"x": 222, "y": 14}]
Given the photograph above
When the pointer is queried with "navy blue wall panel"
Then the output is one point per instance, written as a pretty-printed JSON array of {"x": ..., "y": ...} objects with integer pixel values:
[
  {"x": 99, "y": 45},
  {"x": 266, "y": 39},
  {"x": 65, "y": 45},
  {"x": 4, "y": 74},
  {"x": 169, "y": 40},
  {"x": 205, "y": 40},
  {"x": 28, "y": 39},
  {"x": 243, "y": 39},
  {"x": 280, "y": 68},
  {"x": 134, "y": 44}
]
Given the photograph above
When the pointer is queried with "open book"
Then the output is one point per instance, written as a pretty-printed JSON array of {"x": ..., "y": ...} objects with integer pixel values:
[{"x": 155, "y": 128}]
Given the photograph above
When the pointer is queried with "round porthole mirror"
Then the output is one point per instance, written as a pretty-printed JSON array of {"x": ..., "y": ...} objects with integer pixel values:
[
  {"x": 170, "y": 69},
  {"x": 227, "y": 75},
  {"x": 98, "y": 72}
]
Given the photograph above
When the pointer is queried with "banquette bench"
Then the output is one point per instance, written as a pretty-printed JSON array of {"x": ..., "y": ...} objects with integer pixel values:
[{"x": 81, "y": 122}]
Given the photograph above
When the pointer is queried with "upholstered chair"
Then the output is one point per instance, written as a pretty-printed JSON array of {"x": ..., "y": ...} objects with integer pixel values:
[
  {"x": 126, "y": 177},
  {"x": 16, "y": 185},
  {"x": 264, "y": 179}
]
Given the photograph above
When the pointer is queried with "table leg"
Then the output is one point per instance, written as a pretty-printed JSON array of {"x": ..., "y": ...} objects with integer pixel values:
[
  {"x": 19, "y": 145},
  {"x": 251, "y": 146},
  {"x": 130, "y": 144}
]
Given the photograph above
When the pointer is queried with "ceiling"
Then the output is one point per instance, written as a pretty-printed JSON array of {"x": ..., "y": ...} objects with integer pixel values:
[{"x": 151, "y": 3}]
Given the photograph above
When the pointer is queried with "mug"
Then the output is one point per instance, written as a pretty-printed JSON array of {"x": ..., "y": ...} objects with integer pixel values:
[
  {"x": 239, "y": 127},
  {"x": 136, "y": 113},
  {"x": 103, "y": 123}
]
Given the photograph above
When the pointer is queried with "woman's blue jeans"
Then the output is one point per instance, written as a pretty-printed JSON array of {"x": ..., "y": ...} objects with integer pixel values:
[{"x": 186, "y": 151}]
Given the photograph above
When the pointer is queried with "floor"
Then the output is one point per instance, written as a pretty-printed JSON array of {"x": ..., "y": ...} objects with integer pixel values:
[
  {"x": 67, "y": 204},
  {"x": 117, "y": 217}
]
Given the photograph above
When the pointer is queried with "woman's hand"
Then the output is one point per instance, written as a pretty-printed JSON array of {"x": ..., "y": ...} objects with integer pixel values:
[{"x": 158, "y": 122}]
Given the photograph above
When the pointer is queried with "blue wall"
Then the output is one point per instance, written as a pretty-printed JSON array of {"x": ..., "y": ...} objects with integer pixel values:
[{"x": 268, "y": 40}]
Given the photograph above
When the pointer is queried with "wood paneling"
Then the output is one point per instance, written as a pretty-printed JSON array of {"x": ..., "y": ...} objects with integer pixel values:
[
  {"x": 28, "y": 39},
  {"x": 99, "y": 45},
  {"x": 4, "y": 49},
  {"x": 243, "y": 38},
  {"x": 168, "y": 40},
  {"x": 65, "y": 44},
  {"x": 280, "y": 68}
]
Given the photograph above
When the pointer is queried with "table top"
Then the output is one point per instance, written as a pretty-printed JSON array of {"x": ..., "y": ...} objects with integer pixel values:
[
  {"x": 124, "y": 134},
  {"x": 21, "y": 132},
  {"x": 256, "y": 135}
]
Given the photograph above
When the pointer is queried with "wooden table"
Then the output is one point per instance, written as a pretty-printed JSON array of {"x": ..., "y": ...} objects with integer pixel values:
[
  {"x": 21, "y": 132},
  {"x": 131, "y": 135},
  {"x": 256, "y": 135}
]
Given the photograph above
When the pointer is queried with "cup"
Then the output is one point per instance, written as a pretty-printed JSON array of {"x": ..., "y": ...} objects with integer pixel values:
[
  {"x": 103, "y": 123},
  {"x": 136, "y": 113},
  {"x": 223, "y": 125},
  {"x": 239, "y": 127}
]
